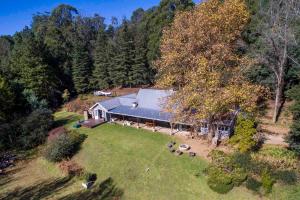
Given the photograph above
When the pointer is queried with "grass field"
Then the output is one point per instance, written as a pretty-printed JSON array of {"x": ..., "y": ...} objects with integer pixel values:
[{"x": 120, "y": 156}]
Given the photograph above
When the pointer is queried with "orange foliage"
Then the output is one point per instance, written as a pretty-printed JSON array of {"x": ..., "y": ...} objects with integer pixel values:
[{"x": 199, "y": 58}]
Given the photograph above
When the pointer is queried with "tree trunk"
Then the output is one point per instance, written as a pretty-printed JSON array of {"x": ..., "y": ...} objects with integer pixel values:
[
  {"x": 278, "y": 100},
  {"x": 210, "y": 131}
]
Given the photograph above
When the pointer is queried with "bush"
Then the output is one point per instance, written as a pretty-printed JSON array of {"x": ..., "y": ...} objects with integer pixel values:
[
  {"x": 71, "y": 168},
  {"x": 244, "y": 132},
  {"x": 35, "y": 127},
  {"x": 278, "y": 157},
  {"x": 267, "y": 181},
  {"x": 238, "y": 176},
  {"x": 219, "y": 181},
  {"x": 253, "y": 184},
  {"x": 64, "y": 146}
]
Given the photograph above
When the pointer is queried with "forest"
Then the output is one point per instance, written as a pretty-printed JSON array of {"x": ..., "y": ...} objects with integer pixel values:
[{"x": 63, "y": 54}]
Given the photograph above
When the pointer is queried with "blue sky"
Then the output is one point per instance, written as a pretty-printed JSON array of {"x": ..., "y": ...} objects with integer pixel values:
[{"x": 15, "y": 14}]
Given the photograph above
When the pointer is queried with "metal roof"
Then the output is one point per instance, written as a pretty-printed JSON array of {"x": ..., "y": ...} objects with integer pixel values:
[
  {"x": 149, "y": 105},
  {"x": 110, "y": 103},
  {"x": 144, "y": 113},
  {"x": 152, "y": 98}
]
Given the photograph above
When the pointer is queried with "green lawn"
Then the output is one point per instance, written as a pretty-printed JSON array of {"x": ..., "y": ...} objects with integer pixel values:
[
  {"x": 120, "y": 156},
  {"x": 124, "y": 154}
]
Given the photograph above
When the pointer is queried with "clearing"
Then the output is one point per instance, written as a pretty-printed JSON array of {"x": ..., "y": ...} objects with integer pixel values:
[{"x": 121, "y": 156}]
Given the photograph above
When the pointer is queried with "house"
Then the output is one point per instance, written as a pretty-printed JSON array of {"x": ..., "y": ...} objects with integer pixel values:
[{"x": 146, "y": 106}]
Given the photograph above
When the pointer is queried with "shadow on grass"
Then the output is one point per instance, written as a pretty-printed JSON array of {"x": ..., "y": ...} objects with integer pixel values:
[
  {"x": 66, "y": 120},
  {"x": 39, "y": 190},
  {"x": 8, "y": 177},
  {"x": 106, "y": 190}
]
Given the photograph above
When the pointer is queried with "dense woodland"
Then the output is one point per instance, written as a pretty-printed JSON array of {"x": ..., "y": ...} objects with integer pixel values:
[{"x": 63, "y": 54}]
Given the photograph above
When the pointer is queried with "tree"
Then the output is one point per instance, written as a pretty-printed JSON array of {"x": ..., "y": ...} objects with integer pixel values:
[
  {"x": 29, "y": 63},
  {"x": 81, "y": 70},
  {"x": 141, "y": 73},
  {"x": 278, "y": 39},
  {"x": 6, "y": 45},
  {"x": 200, "y": 61},
  {"x": 34, "y": 128},
  {"x": 6, "y": 100},
  {"x": 101, "y": 79},
  {"x": 158, "y": 18},
  {"x": 59, "y": 37},
  {"x": 123, "y": 61},
  {"x": 293, "y": 139}
]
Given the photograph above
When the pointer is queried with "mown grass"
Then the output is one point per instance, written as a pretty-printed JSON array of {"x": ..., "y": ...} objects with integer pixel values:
[
  {"x": 133, "y": 162},
  {"x": 141, "y": 165}
]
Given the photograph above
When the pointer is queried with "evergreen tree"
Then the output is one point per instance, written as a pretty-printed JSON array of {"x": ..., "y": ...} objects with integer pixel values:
[
  {"x": 140, "y": 73},
  {"x": 6, "y": 100},
  {"x": 101, "y": 79},
  {"x": 123, "y": 61},
  {"x": 157, "y": 19},
  {"x": 29, "y": 62},
  {"x": 81, "y": 70},
  {"x": 293, "y": 138}
]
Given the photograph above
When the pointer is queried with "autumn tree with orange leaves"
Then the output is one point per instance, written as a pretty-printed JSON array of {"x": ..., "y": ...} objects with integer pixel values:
[{"x": 200, "y": 61}]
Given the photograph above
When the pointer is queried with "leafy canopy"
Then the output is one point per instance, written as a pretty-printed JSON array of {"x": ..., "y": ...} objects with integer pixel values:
[{"x": 200, "y": 61}]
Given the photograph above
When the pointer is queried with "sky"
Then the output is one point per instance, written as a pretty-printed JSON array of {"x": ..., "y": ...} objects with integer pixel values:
[{"x": 16, "y": 14}]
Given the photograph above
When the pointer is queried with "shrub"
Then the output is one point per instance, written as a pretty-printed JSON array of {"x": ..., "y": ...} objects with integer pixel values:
[
  {"x": 238, "y": 176},
  {"x": 267, "y": 181},
  {"x": 219, "y": 158},
  {"x": 35, "y": 127},
  {"x": 219, "y": 181},
  {"x": 286, "y": 176},
  {"x": 71, "y": 168},
  {"x": 253, "y": 184},
  {"x": 64, "y": 146},
  {"x": 278, "y": 157},
  {"x": 244, "y": 132}
]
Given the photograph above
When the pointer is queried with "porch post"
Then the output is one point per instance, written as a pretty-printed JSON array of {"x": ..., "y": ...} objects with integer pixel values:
[
  {"x": 171, "y": 128},
  {"x": 138, "y": 122},
  {"x": 123, "y": 120}
]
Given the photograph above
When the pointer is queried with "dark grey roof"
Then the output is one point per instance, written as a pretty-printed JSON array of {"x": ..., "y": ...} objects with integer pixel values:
[{"x": 142, "y": 113}]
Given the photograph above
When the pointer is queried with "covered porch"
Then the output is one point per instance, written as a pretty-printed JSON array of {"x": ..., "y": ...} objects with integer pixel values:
[{"x": 155, "y": 125}]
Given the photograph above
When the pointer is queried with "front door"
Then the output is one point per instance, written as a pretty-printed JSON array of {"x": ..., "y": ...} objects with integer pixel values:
[{"x": 97, "y": 114}]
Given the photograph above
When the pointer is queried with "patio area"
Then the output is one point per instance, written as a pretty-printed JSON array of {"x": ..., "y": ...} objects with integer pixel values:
[
  {"x": 92, "y": 123},
  {"x": 151, "y": 126}
]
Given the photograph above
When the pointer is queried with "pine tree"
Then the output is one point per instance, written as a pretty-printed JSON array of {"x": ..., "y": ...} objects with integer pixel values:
[
  {"x": 81, "y": 70},
  {"x": 123, "y": 60},
  {"x": 101, "y": 79},
  {"x": 29, "y": 63},
  {"x": 140, "y": 72}
]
